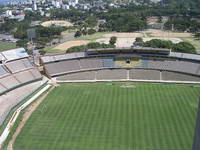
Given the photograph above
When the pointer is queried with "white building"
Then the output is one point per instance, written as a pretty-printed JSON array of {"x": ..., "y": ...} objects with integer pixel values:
[
  {"x": 73, "y": 2},
  {"x": 35, "y": 7},
  {"x": 8, "y": 13},
  {"x": 57, "y": 4},
  {"x": 65, "y": 7}
]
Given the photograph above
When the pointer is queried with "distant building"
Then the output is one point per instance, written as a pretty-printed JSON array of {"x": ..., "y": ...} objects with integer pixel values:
[
  {"x": 73, "y": 2},
  {"x": 47, "y": 14},
  {"x": 36, "y": 23},
  {"x": 27, "y": 8},
  {"x": 57, "y": 4},
  {"x": 42, "y": 13},
  {"x": 35, "y": 7},
  {"x": 65, "y": 7},
  {"x": 8, "y": 13},
  {"x": 7, "y": 38},
  {"x": 19, "y": 17}
]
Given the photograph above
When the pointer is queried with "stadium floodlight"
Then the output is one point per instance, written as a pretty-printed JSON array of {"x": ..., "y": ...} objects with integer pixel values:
[{"x": 31, "y": 34}]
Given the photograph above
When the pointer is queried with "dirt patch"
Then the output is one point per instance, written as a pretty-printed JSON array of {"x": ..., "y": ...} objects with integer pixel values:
[
  {"x": 128, "y": 42},
  {"x": 123, "y": 35},
  {"x": 25, "y": 117},
  {"x": 69, "y": 44},
  {"x": 166, "y": 34},
  {"x": 62, "y": 23}
]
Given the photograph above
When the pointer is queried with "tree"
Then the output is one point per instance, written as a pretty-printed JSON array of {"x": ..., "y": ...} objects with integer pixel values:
[
  {"x": 184, "y": 47},
  {"x": 92, "y": 45},
  {"x": 91, "y": 31},
  {"x": 22, "y": 43},
  {"x": 157, "y": 43},
  {"x": 197, "y": 35},
  {"x": 138, "y": 39},
  {"x": 84, "y": 32},
  {"x": 77, "y": 34},
  {"x": 42, "y": 52},
  {"x": 113, "y": 40}
]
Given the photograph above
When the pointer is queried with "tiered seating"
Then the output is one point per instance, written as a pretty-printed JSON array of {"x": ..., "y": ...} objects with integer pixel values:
[
  {"x": 35, "y": 73},
  {"x": 19, "y": 65},
  {"x": 12, "y": 98},
  {"x": 144, "y": 63},
  {"x": 113, "y": 74},
  {"x": 90, "y": 75},
  {"x": 173, "y": 76},
  {"x": 142, "y": 67},
  {"x": 142, "y": 74},
  {"x": 3, "y": 71},
  {"x": 2, "y": 88},
  {"x": 91, "y": 63},
  {"x": 156, "y": 64},
  {"x": 108, "y": 63},
  {"x": 17, "y": 79},
  {"x": 62, "y": 67},
  {"x": 16, "y": 76},
  {"x": 188, "y": 67},
  {"x": 24, "y": 76},
  {"x": 128, "y": 62},
  {"x": 174, "y": 65},
  {"x": 9, "y": 82}
]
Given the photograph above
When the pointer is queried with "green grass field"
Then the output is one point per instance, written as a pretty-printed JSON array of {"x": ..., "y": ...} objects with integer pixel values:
[
  {"x": 105, "y": 116},
  {"x": 6, "y": 46}
]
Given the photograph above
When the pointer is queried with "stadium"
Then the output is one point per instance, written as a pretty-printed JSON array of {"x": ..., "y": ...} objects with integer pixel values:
[{"x": 100, "y": 99}]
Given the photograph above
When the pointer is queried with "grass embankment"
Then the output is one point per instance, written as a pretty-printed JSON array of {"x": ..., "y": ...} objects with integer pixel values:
[{"x": 7, "y": 46}]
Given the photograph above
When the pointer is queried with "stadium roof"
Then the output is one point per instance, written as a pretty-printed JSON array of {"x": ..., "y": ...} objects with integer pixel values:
[
  {"x": 51, "y": 58},
  {"x": 2, "y": 58},
  {"x": 13, "y": 54},
  {"x": 185, "y": 56},
  {"x": 129, "y": 50}
]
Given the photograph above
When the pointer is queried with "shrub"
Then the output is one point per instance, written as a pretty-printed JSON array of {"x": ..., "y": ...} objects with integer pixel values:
[
  {"x": 113, "y": 40},
  {"x": 184, "y": 47}
]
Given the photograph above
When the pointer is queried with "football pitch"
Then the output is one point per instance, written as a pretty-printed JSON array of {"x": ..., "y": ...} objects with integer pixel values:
[{"x": 113, "y": 116}]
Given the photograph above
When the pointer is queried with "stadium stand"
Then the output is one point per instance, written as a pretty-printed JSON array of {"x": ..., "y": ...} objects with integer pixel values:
[
  {"x": 151, "y": 62},
  {"x": 53, "y": 58},
  {"x": 9, "y": 82},
  {"x": 3, "y": 71},
  {"x": 2, "y": 88},
  {"x": 18, "y": 78},
  {"x": 88, "y": 75},
  {"x": 2, "y": 58},
  {"x": 24, "y": 76},
  {"x": 142, "y": 74},
  {"x": 184, "y": 56},
  {"x": 19, "y": 65},
  {"x": 128, "y": 62},
  {"x": 62, "y": 67},
  {"x": 91, "y": 63},
  {"x": 108, "y": 62},
  {"x": 111, "y": 74},
  {"x": 35, "y": 73},
  {"x": 16, "y": 70},
  {"x": 12, "y": 98},
  {"x": 174, "y": 76},
  {"x": 14, "y": 54}
]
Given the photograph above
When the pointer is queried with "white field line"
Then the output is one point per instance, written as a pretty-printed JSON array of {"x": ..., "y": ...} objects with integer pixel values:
[
  {"x": 131, "y": 80},
  {"x": 17, "y": 112}
]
